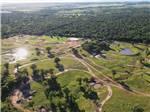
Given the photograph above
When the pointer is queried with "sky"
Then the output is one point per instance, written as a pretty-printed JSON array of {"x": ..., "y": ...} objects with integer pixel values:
[{"x": 34, "y": 1}]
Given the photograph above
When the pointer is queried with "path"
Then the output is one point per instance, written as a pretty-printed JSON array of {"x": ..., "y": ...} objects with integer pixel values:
[
  {"x": 114, "y": 83},
  {"x": 118, "y": 85},
  {"x": 109, "y": 95},
  {"x": 108, "y": 87},
  {"x": 14, "y": 98}
]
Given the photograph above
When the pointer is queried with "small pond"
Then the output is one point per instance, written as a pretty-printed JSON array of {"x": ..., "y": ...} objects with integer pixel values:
[{"x": 126, "y": 51}]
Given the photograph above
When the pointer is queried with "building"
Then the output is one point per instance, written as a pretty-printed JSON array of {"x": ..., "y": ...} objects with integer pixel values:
[{"x": 72, "y": 39}]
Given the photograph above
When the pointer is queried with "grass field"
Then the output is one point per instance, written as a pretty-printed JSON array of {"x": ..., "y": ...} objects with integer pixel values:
[
  {"x": 68, "y": 63},
  {"x": 67, "y": 79},
  {"x": 122, "y": 101},
  {"x": 128, "y": 69}
]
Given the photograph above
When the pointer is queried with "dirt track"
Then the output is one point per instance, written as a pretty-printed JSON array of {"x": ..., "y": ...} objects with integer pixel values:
[
  {"x": 109, "y": 95},
  {"x": 14, "y": 98}
]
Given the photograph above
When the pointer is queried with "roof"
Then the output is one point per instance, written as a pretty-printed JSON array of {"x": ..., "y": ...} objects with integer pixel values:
[{"x": 73, "y": 38}]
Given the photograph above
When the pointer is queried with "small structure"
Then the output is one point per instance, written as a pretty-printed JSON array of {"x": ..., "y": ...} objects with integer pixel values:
[
  {"x": 96, "y": 83},
  {"x": 147, "y": 59},
  {"x": 42, "y": 109},
  {"x": 72, "y": 39}
]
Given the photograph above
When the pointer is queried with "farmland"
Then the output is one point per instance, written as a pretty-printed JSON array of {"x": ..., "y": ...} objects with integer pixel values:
[
  {"x": 113, "y": 72},
  {"x": 75, "y": 57}
]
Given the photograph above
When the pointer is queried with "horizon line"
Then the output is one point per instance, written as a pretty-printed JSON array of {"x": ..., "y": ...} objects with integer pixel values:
[{"x": 19, "y": 2}]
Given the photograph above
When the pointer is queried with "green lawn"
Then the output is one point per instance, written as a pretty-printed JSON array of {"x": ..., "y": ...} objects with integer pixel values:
[
  {"x": 69, "y": 79},
  {"x": 140, "y": 83},
  {"x": 54, "y": 39},
  {"x": 39, "y": 98},
  {"x": 70, "y": 76},
  {"x": 66, "y": 62},
  {"x": 122, "y": 101}
]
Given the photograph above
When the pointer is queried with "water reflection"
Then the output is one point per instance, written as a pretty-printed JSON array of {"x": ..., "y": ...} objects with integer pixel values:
[
  {"x": 20, "y": 54},
  {"x": 16, "y": 55},
  {"x": 126, "y": 51}
]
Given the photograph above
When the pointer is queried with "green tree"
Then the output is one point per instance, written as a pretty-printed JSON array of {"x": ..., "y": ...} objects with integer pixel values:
[
  {"x": 138, "y": 109},
  {"x": 113, "y": 73},
  {"x": 6, "y": 70},
  {"x": 17, "y": 65},
  {"x": 33, "y": 66},
  {"x": 57, "y": 60},
  {"x": 51, "y": 71},
  {"x": 48, "y": 49},
  {"x": 37, "y": 51}
]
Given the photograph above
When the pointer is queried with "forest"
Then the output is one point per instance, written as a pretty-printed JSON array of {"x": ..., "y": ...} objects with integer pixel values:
[{"x": 120, "y": 22}]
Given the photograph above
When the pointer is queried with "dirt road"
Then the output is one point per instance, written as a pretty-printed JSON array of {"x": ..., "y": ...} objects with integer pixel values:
[
  {"x": 109, "y": 95},
  {"x": 14, "y": 98}
]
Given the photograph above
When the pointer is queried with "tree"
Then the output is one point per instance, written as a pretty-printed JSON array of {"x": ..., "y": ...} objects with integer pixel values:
[
  {"x": 35, "y": 71},
  {"x": 75, "y": 51},
  {"x": 86, "y": 80},
  {"x": 42, "y": 74},
  {"x": 138, "y": 109},
  {"x": 66, "y": 91},
  {"x": 25, "y": 71},
  {"x": 113, "y": 73},
  {"x": 50, "y": 55},
  {"x": 17, "y": 65},
  {"x": 96, "y": 46},
  {"x": 79, "y": 80},
  {"x": 51, "y": 71},
  {"x": 103, "y": 26},
  {"x": 7, "y": 107},
  {"x": 142, "y": 75},
  {"x": 53, "y": 107},
  {"x": 57, "y": 60},
  {"x": 37, "y": 51},
  {"x": 6, "y": 70},
  {"x": 48, "y": 50},
  {"x": 7, "y": 85},
  {"x": 6, "y": 65},
  {"x": 33, "y": 66}
]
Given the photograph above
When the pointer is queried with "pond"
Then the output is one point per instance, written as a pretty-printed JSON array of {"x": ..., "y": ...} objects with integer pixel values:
[{"x": 126, "y": 51}]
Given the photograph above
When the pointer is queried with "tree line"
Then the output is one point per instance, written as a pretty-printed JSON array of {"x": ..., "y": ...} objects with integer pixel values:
[{"x": 124, "y": 24}]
